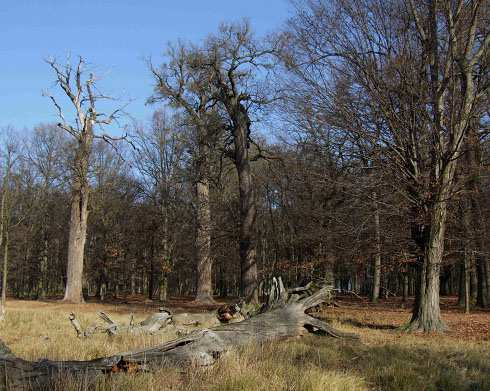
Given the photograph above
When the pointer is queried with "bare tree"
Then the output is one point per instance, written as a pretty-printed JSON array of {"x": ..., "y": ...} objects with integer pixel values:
[
  {"x": 83, "y": 96},
  {"x": 5, "y": 217},
  {"x": 183, "y": 83},
  {"x": 236, "y": 64},
  {"x": 159, "y": 157},
  {"x": 401, "y": 58},
  {"x": 44, "y": 154}
]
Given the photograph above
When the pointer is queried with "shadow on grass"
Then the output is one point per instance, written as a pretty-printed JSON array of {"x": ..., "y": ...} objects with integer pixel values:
[
  {"x": 375, "y": 326},
  {"x": 321, "y": 364},
  {"x": 398, "y": 367}
]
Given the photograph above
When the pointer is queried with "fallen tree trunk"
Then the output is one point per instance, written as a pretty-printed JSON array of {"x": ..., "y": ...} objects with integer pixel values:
[{"x": 202, "y": 347}]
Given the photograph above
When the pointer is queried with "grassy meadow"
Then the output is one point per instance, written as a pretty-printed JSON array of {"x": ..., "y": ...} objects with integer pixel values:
[{"x": 384, "y": 358}]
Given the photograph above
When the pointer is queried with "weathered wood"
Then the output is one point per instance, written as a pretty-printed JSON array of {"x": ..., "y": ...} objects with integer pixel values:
[
  {"x": 152, "y": 324},
  {"x": 76, "y": 325},
  {"x": 202, "y": 347}
]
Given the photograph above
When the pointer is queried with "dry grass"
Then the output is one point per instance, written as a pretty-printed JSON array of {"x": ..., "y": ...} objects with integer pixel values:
[{"x": 385, "y": 359}]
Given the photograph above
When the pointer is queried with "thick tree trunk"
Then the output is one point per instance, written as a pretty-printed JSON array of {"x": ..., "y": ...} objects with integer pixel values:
[
  {"x": 78, "y": 222},
  {"x": 426, "y": 314},
  {"x": 248, "y": 264},
  {"x": 203, "y": 243},
  {"x": 204, "y": 291},
  {"x": 76, "y": 246}
]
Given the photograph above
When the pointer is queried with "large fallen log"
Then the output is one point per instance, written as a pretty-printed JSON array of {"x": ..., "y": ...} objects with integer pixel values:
[{"x": 202, "y": 347}]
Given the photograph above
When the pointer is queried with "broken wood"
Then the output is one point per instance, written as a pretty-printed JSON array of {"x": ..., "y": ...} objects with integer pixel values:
[
  {"x": 151, "y": 325},
  {"x": 202, "y": 347}
]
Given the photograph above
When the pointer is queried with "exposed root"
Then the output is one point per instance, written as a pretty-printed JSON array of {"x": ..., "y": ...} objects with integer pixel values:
[{"x": 418, "y": 326}]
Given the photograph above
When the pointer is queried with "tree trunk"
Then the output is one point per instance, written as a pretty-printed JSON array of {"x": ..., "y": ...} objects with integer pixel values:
[
  {"x": 133, "y": 281},
  {"x": 405, "y": 286},
  {"x": 486, "y": 266},
  {"x": 5, "y": 272},
  {"x": 461, "y": 286},
  {"x": 203, "y": 233},
  {"x": 477, "y": 228},
  {"x": 377, "y": 256},
  {"x": 426, "y": 314},
  {"x": 481, "y": 298},
  {"x": 248, "y": 264},
  {"x": 467, "y": 297},
  {"x": 4, "y": 223},
  {"x": 43, "y": 278},
  {"x": 165, "y": 254},
  {"x": 78, "y": 225},
  {"x": 162, "y": 287},
  {"x": 151, "y": 273}
]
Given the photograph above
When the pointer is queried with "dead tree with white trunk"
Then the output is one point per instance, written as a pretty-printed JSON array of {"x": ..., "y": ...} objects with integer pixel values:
[{"x": 83, "y": 97}]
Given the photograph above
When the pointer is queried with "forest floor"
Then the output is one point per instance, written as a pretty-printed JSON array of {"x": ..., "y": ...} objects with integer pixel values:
[{"x": 384, "y": 359}]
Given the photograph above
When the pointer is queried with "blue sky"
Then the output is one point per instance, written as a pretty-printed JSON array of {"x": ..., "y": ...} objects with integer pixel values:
[{"x": 114, "y": 35}]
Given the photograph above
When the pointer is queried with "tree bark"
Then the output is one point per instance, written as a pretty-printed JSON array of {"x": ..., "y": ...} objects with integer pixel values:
[
  {"x": 377, "y": 256},
  {"x": 248, "y": 264},
  {"x": 405, "y": 286},
  {"x": 426, "y": 315},
  {"x": 467, "y": 297},
  {"x": 162, "y": 287},
  {"x": 43, "y": 267},
  {"x": 203, "y": 239},
  {"x": 78, "y": 222}
]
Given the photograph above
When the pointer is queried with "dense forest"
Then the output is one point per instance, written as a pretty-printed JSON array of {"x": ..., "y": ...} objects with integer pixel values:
[{"x": 351, "y": 147}]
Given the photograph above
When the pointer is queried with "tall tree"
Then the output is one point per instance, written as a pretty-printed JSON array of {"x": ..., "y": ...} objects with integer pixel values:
[
  {"x": 236, "y": 63},
  {"x": 5, "y": 216},
  {"x": 402, "y": 57},
  {"x": 185, "y": 86},
  {"x": 83, "y": 97}
]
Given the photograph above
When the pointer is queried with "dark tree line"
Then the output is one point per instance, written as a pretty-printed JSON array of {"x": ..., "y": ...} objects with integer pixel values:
[{"x": 350, "y": 147}]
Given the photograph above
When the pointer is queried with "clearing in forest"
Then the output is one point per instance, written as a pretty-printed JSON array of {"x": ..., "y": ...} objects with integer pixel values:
[{"x": 384, "y": 358}]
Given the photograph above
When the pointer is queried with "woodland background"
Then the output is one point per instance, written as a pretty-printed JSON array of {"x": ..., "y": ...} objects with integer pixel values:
[{"x": 334, "y": 198}]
